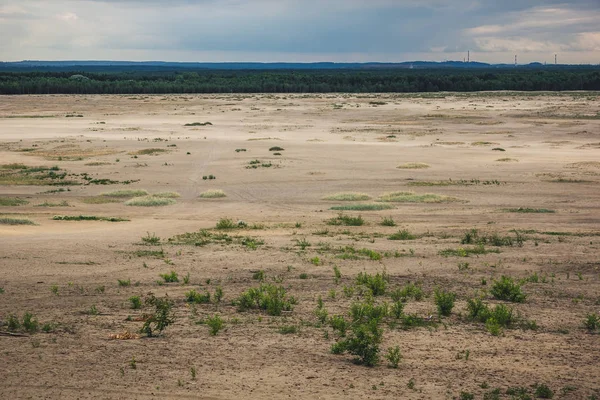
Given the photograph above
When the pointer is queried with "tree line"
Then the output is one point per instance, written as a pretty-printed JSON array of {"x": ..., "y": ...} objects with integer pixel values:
[{"x": 295, "y": 81}]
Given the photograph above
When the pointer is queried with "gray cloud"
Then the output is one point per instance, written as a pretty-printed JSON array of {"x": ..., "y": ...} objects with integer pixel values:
[{"x": 291, "y": 30}]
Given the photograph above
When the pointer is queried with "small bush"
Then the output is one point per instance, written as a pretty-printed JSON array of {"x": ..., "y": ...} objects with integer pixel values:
[
  {"x": 273, "y": 299},
  {"x": 388, "y": 221},
  {"x": 507, "y": 289},
  {"x": 276, "y": 148},
  {"x": 393, "y": 356},
  {"x": 30, "y": 323},
  {"x": 152, "y": 240},
  {"x": 444, "y": 302},
  {"x": 402, "y": 235},
  {"x": 410, "y": 290},
  {"x": 542, "y": 391},
  {"x": 226, "y": 223},
  {"x": 170, "y": 277},
  {"x": 197, "y": 298},
  {"x": 198, "y": 124},
  {"x": 124, "y": 283},
  {"x": 346, "y": 220},
  {"x": 591, "y": 322},
  {"x": 363, "y": 342},
  {"x": 288, "y": 329},
  {"x": 215, "y": 324},
  {"x": 162, "y": 316},
  {"x": 377, "y": 283},
  {"x": 135, "y": 302}
]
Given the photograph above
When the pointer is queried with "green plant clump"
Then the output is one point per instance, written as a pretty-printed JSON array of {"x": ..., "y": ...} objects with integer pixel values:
[
  {"x": 273, "y": 299},
  {"x": 507, "y": 289}
]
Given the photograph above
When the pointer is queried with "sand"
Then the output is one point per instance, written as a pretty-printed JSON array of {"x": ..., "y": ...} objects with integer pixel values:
[{"x": 332, "y": 144}]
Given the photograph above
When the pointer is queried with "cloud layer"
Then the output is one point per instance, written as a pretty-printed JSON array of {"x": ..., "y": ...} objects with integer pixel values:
[{"x": 306, "y": 30}]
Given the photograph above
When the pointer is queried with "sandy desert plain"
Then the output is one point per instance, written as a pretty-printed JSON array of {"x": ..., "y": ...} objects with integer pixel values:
[{"x": 522, "y": 169}]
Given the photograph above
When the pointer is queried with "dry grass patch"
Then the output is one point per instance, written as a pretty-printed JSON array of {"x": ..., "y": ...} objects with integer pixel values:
[
  {"x": 584, "y": 164},
  {"x": 97, "y": 163},
  {"x": 150, "y": 201},
  {"x": 15, "y": 221},
  {"x": 414, "y": 165},
  {"x": 213, "y": 194},
  {"x": 126, "y": 193},
  {"x": 147, "y": 152},
  {"x": 411, "y": 197},
  {"x": 12, "y": 201},
  {"x": 348, "y": 196},
  {"x": 100, "y": 200},
  {"x": 71, "y": 152},
  {"x": 507, "y": 159}
]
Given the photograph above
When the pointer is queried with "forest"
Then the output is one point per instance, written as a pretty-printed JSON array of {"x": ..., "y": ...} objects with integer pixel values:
[{"x": 153, "y": 81}]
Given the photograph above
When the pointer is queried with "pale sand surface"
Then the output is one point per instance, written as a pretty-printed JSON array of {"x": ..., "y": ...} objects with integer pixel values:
[{"x": 333, "y": 143}]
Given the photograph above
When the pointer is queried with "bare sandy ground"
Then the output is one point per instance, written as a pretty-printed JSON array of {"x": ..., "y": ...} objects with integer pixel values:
[{"x": 58, "y": 270}]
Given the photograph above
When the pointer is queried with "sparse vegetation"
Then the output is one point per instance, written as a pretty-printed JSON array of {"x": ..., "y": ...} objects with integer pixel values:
[
  {"x": 87, "y": 218},
  {"x": 411, "y": 197},
  {"x": 414, "y": 165},
  {"x": 347, "y": 196},
  {"x": 12, "y": 202},
  {"x": 150, "y": 201},
  {"x": 15, "y": 221},
  {"x": 362, "y": 207},
  {"x": 213, "y": 194},
  {"x": 346, "y": 220}
]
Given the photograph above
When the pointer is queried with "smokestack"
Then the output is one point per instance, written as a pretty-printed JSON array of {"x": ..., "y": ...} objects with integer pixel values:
[
  {"x": 469, "y": 56},
  {"x": 555, "y": 60},
  {"x": 515, "y": 60}
]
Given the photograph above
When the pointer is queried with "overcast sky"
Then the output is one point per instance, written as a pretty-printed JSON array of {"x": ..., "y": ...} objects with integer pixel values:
[{"x": 300, "y": 30}]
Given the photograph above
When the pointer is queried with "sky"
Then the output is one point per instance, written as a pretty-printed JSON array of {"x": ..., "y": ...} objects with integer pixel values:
[{"x": 301, "y": 30}]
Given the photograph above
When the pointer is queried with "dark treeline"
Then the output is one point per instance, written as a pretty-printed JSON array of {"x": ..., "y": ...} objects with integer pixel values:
[{"x": 294, "y": 81}]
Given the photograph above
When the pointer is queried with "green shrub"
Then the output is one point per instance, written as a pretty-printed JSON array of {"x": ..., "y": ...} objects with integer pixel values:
[
  {"x": 273, "y": 299},
  {"x": 288, "y": 329},
  {"x": 30, "y": 323},
  {"x": 124, "y": 283},
  {"x": 507, "y": 289},
  {"x": 393, "y": 356},
  {"x": 135, "y": 302},
  {"x": 542, "y": 391},
  {"x": 402, "y": 235},
  {"x": 346, "y": 220},
  {"x": 397, "y": 309},
  {"x": 215, "y": 324},
  {"x": 362, "y": 312},
  {"x": 444, "y": 302},
  {"x": 162, "y": 316},
  {"x": 170, "y": 277},
  {"x": 410, "y": 290},
  {"x": 339, "y": 324},
  {"x": 363, "y": 341},
  {"x": 592, "y": 322},
  {"x": 377, "y": 283},
  {"x": 226, "y": 223},
  {"x": 198, "y": 298},
  {"x": 151, "y": 240},
  {"x": 388, "y": 221}
]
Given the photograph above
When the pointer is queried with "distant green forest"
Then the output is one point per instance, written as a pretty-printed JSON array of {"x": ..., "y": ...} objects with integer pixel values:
[{"x": 296, "y": 81}]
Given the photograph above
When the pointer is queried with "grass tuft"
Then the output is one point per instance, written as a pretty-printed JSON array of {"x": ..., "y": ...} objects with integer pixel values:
[
  {"x": 413, "y": 165},
  {"x": 362, "y": 207},
  {"x": 126, "y": 193},
  {"x": 411, "y": 197},
  {"x": 12, "y": 201},
  {"x": 213, "y": 194},
  {"x": 15, "y": 221},
  {"x": 150, "y": 201},
  {"x": 347, "y": 196}
]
